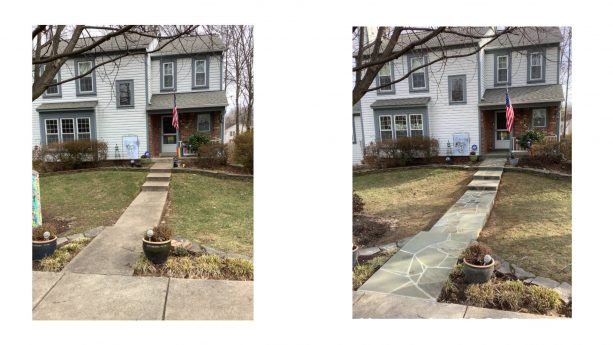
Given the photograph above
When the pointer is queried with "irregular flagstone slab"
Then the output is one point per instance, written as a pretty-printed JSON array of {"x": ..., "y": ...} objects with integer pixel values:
[
  {"x": 368, "y": 251},
  {"x": 410, "y": 290},
  {"x": 383, "y": 281},
  {"x": 103, "y": 297},
  {"x": 91, "y": 233},
  {"x": 422, "y": 240},
  {"x": 403, "y": 241},
  {"x": 485, "y": 313},
  {"x": 379, "y": 306},
  {"x": 195, "y": 299},
  {"x": 388, "y": 247},
  {"x": 450, "y": 262},
  {"x": 42, "y": 282},
  {"x": 544, "y": 282},
  {"x": 520, "y": 273},
  {"x": 399, "y": 263},
  {"x": 431, "y": 257},
  {"x": 433, "y": 279},
  {"x": 565, "y": 291}
]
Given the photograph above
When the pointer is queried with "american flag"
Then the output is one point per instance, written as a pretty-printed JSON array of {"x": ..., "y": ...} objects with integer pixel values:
[
  {"x": 510, "y": 113},
  {"x": 175, "y": 113}
]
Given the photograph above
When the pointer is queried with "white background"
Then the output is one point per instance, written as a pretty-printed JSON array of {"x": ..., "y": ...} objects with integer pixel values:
[{"x": 303, "y": 87}]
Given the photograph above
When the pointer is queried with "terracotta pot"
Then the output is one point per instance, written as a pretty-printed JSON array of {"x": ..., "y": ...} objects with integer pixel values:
[
  {"x": 156, "y": 252},
  {"x": 355, "y": 255},
  {"x": 475, "y": 274},
  {"x": 41, "y": 249}
]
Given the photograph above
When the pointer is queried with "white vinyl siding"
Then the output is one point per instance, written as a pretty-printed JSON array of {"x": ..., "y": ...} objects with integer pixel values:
[
  {"x": 184, "y": 75},
  {"x": 519, "y": 68}
]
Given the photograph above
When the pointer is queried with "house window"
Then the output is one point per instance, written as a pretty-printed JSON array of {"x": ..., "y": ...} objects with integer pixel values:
[
  {"x": 168, "y": 75},
  {"x": 68, "y": 132},
  {"x": 457, "y": 89},
  {"x": 385, "y": 78},
  {"x": 52, "y": 90},
  {"x": 417, "y": 125},
  {"x": 85, "y": 83},
  {"x": 200, "y": 73},
  {"x": 536, "y": 66},
  {"x": 83, "y": 129},
  {"x": 385, "y": 127},
  {"x": 502, "y": 69},
  {"x": 418, "y": 78},
  {"x": 400, "y": 126},
  {"x": 51, "y": 131},
  {"x": 125, "y": 93},
  {"x": 231, "y": 133},
  {"x": 204, "y": 122},
  {"x": 539, "y": 118}
]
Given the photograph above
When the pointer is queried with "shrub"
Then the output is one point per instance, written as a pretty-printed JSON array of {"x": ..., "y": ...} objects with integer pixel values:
[
  {"x": 196, "y": 140},
  {"x": 547, "y": 152},
  {"x": 535, "y": 136},
  {"x": 474, "y": 253},
  {"x": 39, "y": 231},
  {"x": 542, "y": 299},
  {"x": 358, "y": 203},
  {"x": 161, "y": 233},
  {"x": 243, "y": 150},
  {"x": 401, "y": 152},
  {"x": 212, "y": 155},
  {"x": 367, "y": 229},
  {"x": 70, "y": 155},
  {"x": 566, "y": 147},
  {"x": 480, "y": 295}
]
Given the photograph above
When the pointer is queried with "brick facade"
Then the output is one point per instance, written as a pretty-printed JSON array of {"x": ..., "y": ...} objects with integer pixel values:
[
  {"x": 521, "y": 124},
  {"x": 187, "y": 127}
]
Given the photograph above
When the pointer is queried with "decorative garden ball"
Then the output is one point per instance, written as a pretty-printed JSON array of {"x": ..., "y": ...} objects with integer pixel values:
[
  {"x": 487, "y": 259},
  {"x": 150, "y": 233},
  {"x": 46, "y": 235}
]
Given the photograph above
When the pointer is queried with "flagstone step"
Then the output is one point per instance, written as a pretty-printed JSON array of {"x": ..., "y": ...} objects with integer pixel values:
[
  {"x": 156, "y": 176},
  {"x": 155, "y": 186},
  {"x": 488, "y": 175},
  {"x": 483, "y": 185},
  {"x": 161, "y": 167}
]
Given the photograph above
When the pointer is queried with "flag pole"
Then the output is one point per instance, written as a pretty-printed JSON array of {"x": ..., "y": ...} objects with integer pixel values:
[{"x": 510, "y": 137}]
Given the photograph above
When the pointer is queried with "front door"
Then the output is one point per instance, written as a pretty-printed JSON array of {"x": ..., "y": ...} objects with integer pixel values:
[
  {"x": 169, "y": 135},
  {"x": 503, "y": 138}
]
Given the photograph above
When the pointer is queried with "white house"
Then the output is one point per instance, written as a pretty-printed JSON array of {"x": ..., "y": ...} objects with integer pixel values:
[
  {"x": 134, "y": 97},
  {"x": 230, "y": 132},
  {"x": 464, "y": 97}
]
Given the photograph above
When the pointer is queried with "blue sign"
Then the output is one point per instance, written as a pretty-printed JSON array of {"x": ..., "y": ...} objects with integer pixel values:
[{"x": 474, "y": 147}]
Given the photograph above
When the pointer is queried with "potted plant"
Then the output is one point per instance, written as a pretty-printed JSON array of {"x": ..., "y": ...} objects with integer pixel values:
[
  {"x": 473, "y": 156},
  {"x": 355, "y": 255},
  {"x": 513, "y": 160},
  {"x": 478, "y": 264},
  {"x": 44, "y": 241},
  {"x": 156, "y": 243}
]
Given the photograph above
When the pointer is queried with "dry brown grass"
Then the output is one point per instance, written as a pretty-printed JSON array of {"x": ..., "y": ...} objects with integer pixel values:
[
  {"x": 413, "y": 200},
  {"x": 530, "y": 225}
]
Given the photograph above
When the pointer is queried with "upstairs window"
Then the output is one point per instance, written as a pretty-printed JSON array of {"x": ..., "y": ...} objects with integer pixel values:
[
  {"x": 200, "y": 67},
  {"x": 535, "y": 68},
  {"x": 418, "y": 80},
  {"x": 457, "y": 89},
  {"x": 502, "y": 69},
  {"x": 52, "y": 90},
  {"x": 125, "y": 93},
  {"x": 85, "y": 84},
  {"x": 168, "y": 75},
  {"x": 385, "y": 78}
]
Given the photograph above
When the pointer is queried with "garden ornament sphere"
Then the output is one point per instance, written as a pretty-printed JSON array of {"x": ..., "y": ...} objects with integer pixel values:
[
  {"x": 487, "y": 259},
  {"x": 150, "y": 233},
  {"x": 46, "y": 235}
]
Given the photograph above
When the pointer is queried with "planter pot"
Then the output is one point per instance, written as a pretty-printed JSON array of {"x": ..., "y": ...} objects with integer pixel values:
[
  {"x": 514, "y": 161},
  {"x": 156, "y": 252},
  {"x": 474, "y": 274},
  {"x": 355, "y": 255},
  {"x": 41, "y": 249},
  {"x": 473, "y": 158}
]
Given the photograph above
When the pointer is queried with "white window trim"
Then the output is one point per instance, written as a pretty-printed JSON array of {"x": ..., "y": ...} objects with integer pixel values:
[
  {"x": 545, "y": 112},
  {"x": 90, "y": 76},
  {"x": 74, "y": 128},
  {"x": 390, "y": 87},
  {"x": 421, "y": 117},
  {"x": 47, "y": 133},
  {"x": 498, "y": 68},
  {"x": 196, "y": 73},
  {"x": 89, "y": 125},
  {"x": 53, "y": 81},
  {"x": 386, "y": 130},
  {"x": 421, "y": 70},
  {"x": 406, "y": 119},
  {"x": 198, "y": 123},
  {"x": 539, "y": 65},
  {"x": 172, "y": 68}
]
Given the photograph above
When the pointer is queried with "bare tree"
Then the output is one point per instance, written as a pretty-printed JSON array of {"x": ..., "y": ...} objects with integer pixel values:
[
  {"x": 566, "y": 67},
  {"x": 246, "y": 50},
  {"x": 53, "y": 45},
  {"x": 392, "y": 43}
]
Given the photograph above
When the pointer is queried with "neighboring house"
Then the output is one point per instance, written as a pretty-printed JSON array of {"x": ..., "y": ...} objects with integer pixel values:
[
  {"x": 230, "y": 132},
  {"x": 134, "y": 96},
  {"x": 465, "y": 97}
]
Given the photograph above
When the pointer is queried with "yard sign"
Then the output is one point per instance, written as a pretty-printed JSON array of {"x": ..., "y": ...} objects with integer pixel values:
[{"x": 461, "y": 144}]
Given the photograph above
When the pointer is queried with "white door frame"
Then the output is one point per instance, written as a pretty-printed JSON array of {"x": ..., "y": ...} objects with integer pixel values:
[
  {"x": 167, "y": 148},
  {"x": 500, "y": 144}
]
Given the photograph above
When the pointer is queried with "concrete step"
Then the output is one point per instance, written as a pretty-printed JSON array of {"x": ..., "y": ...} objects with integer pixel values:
[
  {"x": 155, "y": 186},
  {"x": 162, "y": 159},
  {"x": 488, "y": 175},
  {"x": 161, "y": 167},
  {"x": 483, "y": 185},
  {"x": 157, "y": 176},
  {"x": 491, "y": 168}
]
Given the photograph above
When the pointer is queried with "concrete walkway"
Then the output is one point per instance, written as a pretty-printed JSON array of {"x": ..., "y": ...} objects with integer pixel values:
[
  {"x": 383, "y": 306},
  {"x": 98, "y": 284},
  {"x": 421, "y": 267}
]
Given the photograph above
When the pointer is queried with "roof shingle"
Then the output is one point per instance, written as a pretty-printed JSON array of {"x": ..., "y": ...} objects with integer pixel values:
[
  {"x": 524, "y": 95},
  {"x": 189, "y": 100},
  {"x": 67, "y": 105},
  {"x": 400, "y": 102}
]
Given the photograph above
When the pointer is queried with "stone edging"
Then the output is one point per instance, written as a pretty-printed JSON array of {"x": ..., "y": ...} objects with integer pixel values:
[
  {"x": 91, "y": 233},
  {"x": 197, "y": 249},
  {"x": 452, "y": 166},
  {"x": 383, "y": 248},
  {"x": 212, "y": 173},
  {"x": 64, "y": 172},
  {"x": 546, "y": 173}
]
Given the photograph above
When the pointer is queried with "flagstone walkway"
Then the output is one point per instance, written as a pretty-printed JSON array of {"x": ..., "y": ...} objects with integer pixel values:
[{"x": 421, "y": 267}]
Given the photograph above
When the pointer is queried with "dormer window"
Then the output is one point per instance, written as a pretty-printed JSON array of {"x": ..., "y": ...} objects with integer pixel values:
[
  {"x": 385, "y": 78},
  {"x": 502, "y": 69}
]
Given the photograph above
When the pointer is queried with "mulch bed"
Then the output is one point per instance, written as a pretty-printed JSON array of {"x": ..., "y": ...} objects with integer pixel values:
[
  {"x": 193, "y": 163},
  {"x": 368, "y": 229},
  {"x": 529, "y": 162},
  {"x": 62, "y": 225}
]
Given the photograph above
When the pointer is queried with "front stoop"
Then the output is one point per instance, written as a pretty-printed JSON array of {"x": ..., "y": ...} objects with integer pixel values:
[
  {"x": 155, "y": 186},
  {"x": 483, "y": 185}
]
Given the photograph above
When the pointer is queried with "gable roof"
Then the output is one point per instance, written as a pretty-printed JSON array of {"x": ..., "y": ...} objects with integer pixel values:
[
  {"x": 191, "y": 45},
  {"x": 523, "y": 95},
  {"x": 188, "y": 100},
  {"x": 528, "y": 36}
]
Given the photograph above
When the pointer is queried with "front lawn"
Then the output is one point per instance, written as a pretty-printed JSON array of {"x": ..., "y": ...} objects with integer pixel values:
[
  {"x": 530, "y": 225},
  {"x": 213, "y": 212},
  {"x": 88, "y": 199},
  {"x": 411, "y": 200}
]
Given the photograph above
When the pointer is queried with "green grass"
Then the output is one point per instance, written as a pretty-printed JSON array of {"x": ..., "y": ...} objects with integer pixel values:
[
  {"x": 213, "y": 212},
  {"x": 413, "y": 199},
  {"x": 530, "y": 225},
  {"x": 92, "y": 198},
  {"x": 363, "y": 271}
]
